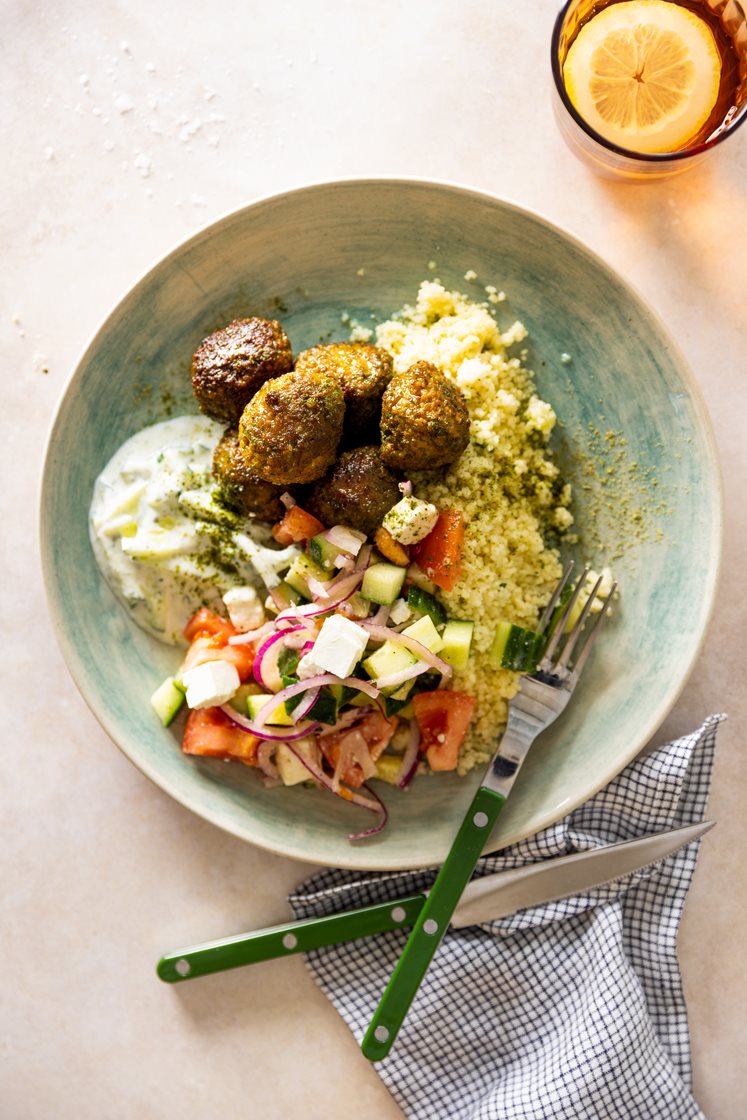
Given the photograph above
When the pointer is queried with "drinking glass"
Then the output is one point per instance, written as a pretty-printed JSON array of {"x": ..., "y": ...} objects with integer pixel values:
[{"x": 615, "y": 162}]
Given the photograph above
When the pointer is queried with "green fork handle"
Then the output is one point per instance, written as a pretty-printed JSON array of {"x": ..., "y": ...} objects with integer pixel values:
[
  {"x": 284, "y": 940},
  {"x": 432, "y": 923}
]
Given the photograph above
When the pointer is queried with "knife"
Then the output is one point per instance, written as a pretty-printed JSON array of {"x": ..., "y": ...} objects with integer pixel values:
[{"x": 485, "y": 899}]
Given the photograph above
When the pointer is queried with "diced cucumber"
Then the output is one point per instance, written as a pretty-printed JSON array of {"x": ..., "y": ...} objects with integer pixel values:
[
  {"x": 388, "y": 659},
  {"x": 292, "y": 771},
  {"x": 425, "y": 632},
  {"x": 388, "y": 767},
  {"x": 457, "y": 639},
  {"x": 167, "y": 700},
  {"x": 516, "y": 648},
  {"x": 382, "y": 583},
  {"x": 323, "y": 553},
  {"x": 240, "y": 697},
  {"x": 422, "y": 602},
  {"x": 358, "y": 606},
  {"x": 279, "y": 717},
  {"x": 301, "y": 570}
]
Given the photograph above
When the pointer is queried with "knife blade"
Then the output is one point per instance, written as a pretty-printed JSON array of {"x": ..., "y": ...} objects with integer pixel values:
[{"x": 485, "y": 899}]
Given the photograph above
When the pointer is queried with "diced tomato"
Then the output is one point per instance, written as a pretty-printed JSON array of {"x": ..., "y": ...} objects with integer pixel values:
[
  {"x": 204, "y": 623},
  {"x": 440, "y": 553},
  {"x": 209, "y": 634},
  {"x": 206, "y": 649},
  {"x": 297, "y": 525},
  {"x": 443, "y": 718},
  {"x": 211, "y": 734},
  {"x": 375, "y": 728}
]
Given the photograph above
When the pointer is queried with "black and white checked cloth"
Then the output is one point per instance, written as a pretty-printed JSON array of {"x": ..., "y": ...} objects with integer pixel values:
[{"x": 569, "y": 1011}]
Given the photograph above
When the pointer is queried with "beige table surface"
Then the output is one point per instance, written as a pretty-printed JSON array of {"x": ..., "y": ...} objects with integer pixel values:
[{"x": 125, "y": 127}]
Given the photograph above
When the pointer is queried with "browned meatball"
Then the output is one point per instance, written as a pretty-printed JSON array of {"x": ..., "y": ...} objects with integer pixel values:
[
  {"x": 290, "y": 430},
  {"x": 424, "y": 420},
  {"x": 237, "y": 486},
  {"x": 357, "y": 492},
  {"x": 231, "y": 364},
  {"x": 363, "y": 371}
]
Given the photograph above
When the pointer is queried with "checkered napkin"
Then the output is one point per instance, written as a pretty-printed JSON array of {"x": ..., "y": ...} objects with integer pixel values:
[{"x": 569, "y": 1011}]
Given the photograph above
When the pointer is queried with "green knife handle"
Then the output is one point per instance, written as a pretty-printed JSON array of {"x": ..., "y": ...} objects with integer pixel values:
[
  {"x": 284, "y": 940},
  {"x": 432, "y": 923}
]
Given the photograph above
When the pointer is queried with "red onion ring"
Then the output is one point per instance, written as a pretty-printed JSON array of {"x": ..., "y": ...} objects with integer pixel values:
[
  {"x": 381, "y": 617},
  {"x": 281, "y": 735},
  {"x": 292, "y": 690},
  {"x": 364, "y": 558},
  {"x": 252, "y": 635},
  {"x": 347, "y": 719},
  {"x": 402, "y": 676},
  {"x": 265, "y": 751},
  {"x": 410, "y": 758},
  {"x": 384, "y": 634},
  {"x": 288, "y": 500},
  {"x": 374, "y": 804},
  {"x": 261, "y": 670},
  {"x": 305, "y": 706}
]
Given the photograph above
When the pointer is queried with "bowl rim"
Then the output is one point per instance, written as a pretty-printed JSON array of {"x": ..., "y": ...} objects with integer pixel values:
[{"x": 65, "y": 400}]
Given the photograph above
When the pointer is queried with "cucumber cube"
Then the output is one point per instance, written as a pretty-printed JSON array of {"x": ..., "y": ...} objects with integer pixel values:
[
  {"x": 388, "y": 768},
  {"x": 382, "y": 583},
  {"x": 167, "y": 700},
  {"x": 303, "y": 568},
  {"x": 457, "y": 639},
  {"x": 279, "y": 717},
  {"x": 425, "y": 632}
]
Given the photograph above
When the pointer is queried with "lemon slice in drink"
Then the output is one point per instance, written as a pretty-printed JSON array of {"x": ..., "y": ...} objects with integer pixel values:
[{"x": 644, "y": 74}]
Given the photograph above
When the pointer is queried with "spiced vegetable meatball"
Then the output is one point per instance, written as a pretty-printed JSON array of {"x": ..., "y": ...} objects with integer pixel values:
[
  {"x": 357, "y": 492},
  {"x": 231, "y": 364},
  {"x": 424, "y": 420},
  {"x": 364, "y": 371},
  {"x": 290, "y": 429},
  {"x": 237, "y": 486}
]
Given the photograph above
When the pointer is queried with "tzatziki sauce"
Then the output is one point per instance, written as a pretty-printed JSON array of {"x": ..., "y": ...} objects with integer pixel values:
[{"x": 163, "y": 541}]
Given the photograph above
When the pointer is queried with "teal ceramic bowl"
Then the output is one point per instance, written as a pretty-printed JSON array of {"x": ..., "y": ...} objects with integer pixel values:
[{"x": 635, "y": 440}]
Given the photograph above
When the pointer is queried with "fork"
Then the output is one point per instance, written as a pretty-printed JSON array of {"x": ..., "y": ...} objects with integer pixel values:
[{"x": 542, "y": 697}]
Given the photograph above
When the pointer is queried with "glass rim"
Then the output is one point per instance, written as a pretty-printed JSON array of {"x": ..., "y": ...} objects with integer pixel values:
[{"x": 609, "y": 145}]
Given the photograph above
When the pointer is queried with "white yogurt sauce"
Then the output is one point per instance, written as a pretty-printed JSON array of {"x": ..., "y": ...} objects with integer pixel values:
[{"x": 162, "y": 542}]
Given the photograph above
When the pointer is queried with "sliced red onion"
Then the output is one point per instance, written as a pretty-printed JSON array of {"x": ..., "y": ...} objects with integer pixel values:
[
  {"x": 252, "y": 635},
  {"x": 288, "y": 500},
  {"x": 347, "y": 719},
  {"x": 386, "y": 634},
  {"x": 364, "y": 558},
  {"x": 358, "y": 748},
  {"x": 336, "y": 593},
  {"x": 374, "y": 805},
  {"x": 381, "y": 617},
  {"x": 265, "y": 662},
  {"x": 265, "y": 751},
  {"x": 304, "y": 706},
  {"x": 339, "y": 535},
  {"x": 405, "y": 488},
  {"x": 411, "y": 757},
  {"x": 404, "y": 675},
  {"x": 292, "y": 690},
  {"x": 277, "y": 598},
  {"x": 319, "y": 590},
  {"x": 344, "y": 562},
  {"x": 298, "y": 639},
  {"x": 277, "y": 735}
]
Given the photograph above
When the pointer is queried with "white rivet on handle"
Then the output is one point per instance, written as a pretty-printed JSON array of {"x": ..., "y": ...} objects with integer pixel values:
[
  {"x": 381, "y": 1034},
  {"x": 430, "y": 926},
  {"x": 182, "y": 967},
  {"x": 480, "y": 820},
  {"x": 399, "y": 914},
  {"x": 290, "y": 941}
]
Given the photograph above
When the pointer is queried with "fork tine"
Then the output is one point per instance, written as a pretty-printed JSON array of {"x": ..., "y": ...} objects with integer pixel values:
[
  {"x": 572, "y": 638},
  {"x": 547, "y": 613},
  {"x": 592, "y": 632},
  {"x": 558, "y": 627}
]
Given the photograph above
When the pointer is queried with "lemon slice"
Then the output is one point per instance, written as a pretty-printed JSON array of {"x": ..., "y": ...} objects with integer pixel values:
[{"x": 644, "y": 74}]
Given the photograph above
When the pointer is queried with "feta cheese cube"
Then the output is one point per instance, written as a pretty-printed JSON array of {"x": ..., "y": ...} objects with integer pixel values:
[
  {"x": 400, "y": 612},
  {"x": 210, "y": 684},
  {"x": 339, "y": 647},
  {"x": 410, "y": 520},
  {"x": 244, "y": 608}
]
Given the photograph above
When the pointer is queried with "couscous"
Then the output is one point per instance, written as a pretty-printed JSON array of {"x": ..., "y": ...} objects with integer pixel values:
[{"x": 506, "y": 483}]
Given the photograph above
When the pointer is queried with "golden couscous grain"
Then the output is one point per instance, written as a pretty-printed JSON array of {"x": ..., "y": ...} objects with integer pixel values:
[{"x": 505, "y": 483}]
